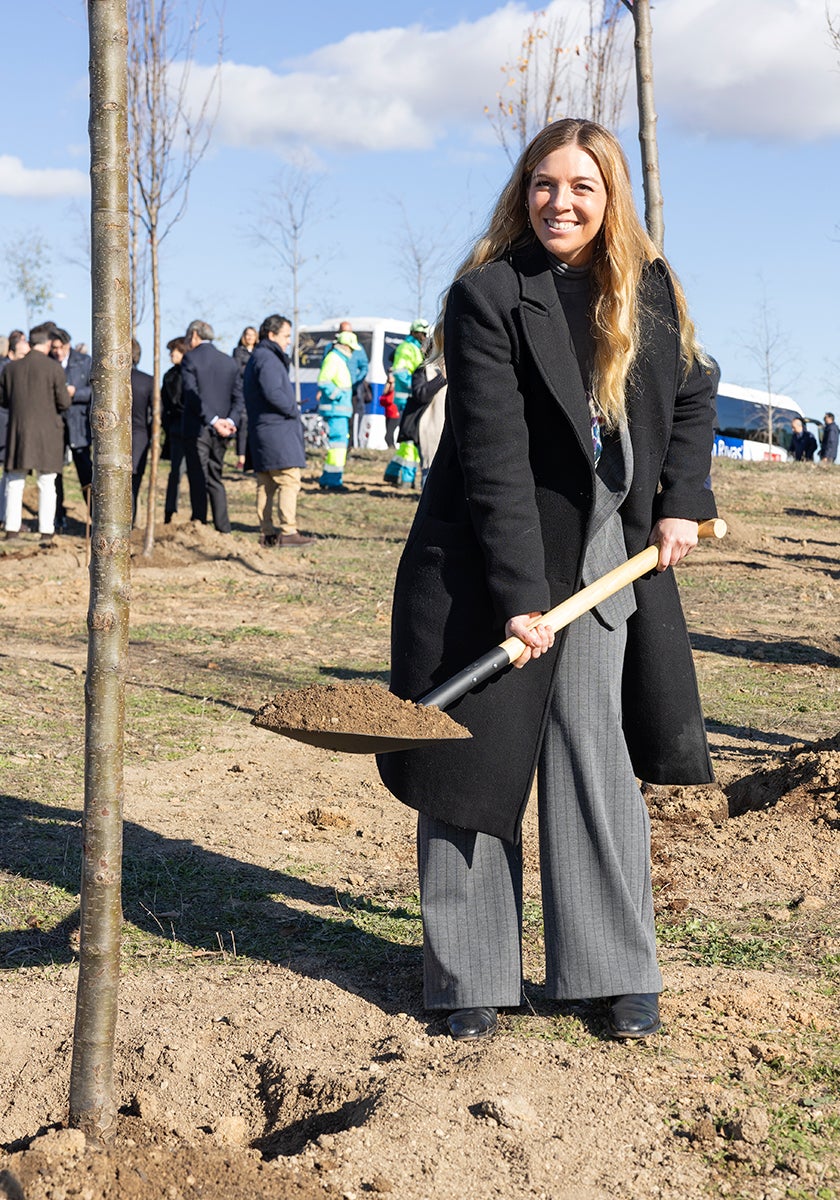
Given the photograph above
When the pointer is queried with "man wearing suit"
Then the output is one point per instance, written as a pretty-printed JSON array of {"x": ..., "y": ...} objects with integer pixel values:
[
  {"x": 213, "y": 403},
  {"x": 142, "y": 386},
  {"x": 77, "y": 435},
  {"x": 34, "y": 391}
]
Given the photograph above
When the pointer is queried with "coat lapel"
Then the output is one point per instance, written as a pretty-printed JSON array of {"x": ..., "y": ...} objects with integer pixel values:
[{"x": 547, "y": 334}]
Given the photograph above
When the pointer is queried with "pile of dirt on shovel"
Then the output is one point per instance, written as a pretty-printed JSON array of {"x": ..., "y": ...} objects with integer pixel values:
[{"x": 362, "y": 708}]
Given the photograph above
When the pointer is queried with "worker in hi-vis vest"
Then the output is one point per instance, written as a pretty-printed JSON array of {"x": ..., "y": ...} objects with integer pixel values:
[
  {"x": 404, "y": 467},
  {"x": 335, "y": 404}
]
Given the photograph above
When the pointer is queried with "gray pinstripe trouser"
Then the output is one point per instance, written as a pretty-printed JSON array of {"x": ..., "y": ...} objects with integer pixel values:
[{"x": 594, "y": 856}]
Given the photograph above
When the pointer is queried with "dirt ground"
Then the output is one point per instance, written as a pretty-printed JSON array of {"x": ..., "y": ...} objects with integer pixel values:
[{"x": 271, "y": 1040}]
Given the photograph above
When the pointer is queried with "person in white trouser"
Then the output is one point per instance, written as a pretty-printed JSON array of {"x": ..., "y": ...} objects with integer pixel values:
[
  {"x": 18, "y": 348},
  {"x": 34, "y": 391}
]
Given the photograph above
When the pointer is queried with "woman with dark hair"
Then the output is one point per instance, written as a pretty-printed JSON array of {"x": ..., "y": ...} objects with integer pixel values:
[
  {"x": 242, "y": 352},
  {"x": 171, "y": 414},
  {"x": 578, "y": 429}
]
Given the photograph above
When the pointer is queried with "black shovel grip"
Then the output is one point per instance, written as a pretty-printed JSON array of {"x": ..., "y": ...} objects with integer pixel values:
[{"x": 486, "y": 667}]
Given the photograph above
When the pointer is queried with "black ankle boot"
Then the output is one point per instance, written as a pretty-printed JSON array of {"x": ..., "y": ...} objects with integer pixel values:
[
  {"x": 472, "y": 1023},
  {"x": 634, "y": 1016}
]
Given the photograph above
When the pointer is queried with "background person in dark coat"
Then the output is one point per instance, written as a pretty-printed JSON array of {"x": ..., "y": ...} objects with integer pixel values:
[
  {"x": 77, "y": 367},
  {"x": 141, "y": 423},
  {"x": 242, "y": 352},
  {"x": 829, "y": 439},
  {"x": 18, "y": 347},
  {"x": 34, "y": 391},
  {"x": 212, "y": 393},
  {"x": 171, "y": 419},
  {"x": 803, "y": 444},
  {"x": 560, "y": 456},
  {"x": 275, "y": 433}
]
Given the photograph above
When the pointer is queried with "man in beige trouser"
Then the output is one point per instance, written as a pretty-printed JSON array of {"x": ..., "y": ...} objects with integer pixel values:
[{"x": 285, "y": 483}]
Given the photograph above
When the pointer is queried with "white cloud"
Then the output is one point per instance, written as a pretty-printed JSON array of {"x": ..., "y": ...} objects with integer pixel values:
[
  {"x": 755, "y": 68},
  {"x": 752, "y": 68},
  {"x": 38, "y": 182},
  {"x": 386, "y": 89}
]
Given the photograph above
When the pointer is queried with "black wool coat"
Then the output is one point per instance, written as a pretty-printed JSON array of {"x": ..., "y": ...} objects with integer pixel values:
[
  {"x": 501, "y": 529},
  {"x": 77, "y": 416},
  {"x": 34, "y": 391},
  {"x": 142, "y": 386}
]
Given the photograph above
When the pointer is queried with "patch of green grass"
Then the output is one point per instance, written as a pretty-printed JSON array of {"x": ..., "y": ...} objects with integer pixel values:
[
  {"x": 181, "y": 902},
  {"x": 798, "y": 1131},
  {"x": 32, "y": 904},
  {"x": 711, "y": 943},
  {"x": 533, "y": 937},
  {"x": 762, "y": 696},
  {"x": 391, "y": 920},
  {"x": 36, "y": 919},
  {"x": 814, "y": 1071},
  {"x": 239, "y": 633},
  {"x": 821, "y": 1192},
  {"x": 301, "y": 870},
  {"x": 370, "y": 939},
  {"x": 558, "y": 1027},
  {"x": 829, "y": 964},
  {"x": 171, "y": 633}
]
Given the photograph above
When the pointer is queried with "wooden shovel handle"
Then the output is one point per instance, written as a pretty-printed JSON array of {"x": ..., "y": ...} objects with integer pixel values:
[
  {"x": 503, "y": 655},
  {"x": 588, "y": 597}
]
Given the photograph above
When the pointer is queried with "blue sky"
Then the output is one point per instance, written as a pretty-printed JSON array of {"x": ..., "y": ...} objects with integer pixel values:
[{"x": 390, "y": 116}]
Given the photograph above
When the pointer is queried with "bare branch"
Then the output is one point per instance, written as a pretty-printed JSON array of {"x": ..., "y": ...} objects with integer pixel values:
[
  {"x": 168, "y": 138},
  {"x": 280, "y": 227},
  {"x": 420, "y": 255},
  {"x": 28, "y": 272},
  {"x": 833, "y": 28},
  {"x": 769, "y": 348},
  {"x": 559, "y": 73}
]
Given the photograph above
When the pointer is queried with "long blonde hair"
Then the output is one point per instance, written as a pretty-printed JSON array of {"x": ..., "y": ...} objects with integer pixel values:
[{"x": 620, "y": 252}]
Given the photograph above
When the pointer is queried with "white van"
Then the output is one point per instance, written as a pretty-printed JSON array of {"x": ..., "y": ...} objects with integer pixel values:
[
  {"x": 741, "y": 424},
  {"x": 379, "y": 336}
]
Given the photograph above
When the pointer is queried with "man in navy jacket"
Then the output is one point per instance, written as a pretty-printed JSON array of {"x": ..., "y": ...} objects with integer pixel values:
[
  {"x": 275, "y": 433},
  {"x": 213, "y": 403}
]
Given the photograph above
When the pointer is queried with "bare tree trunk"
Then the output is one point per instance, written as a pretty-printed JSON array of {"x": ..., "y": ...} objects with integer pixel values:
[
  {"x": 654, "y": 205},
  {"x": 169, "y": 136},
  {"x": 92, "y": 1102}
]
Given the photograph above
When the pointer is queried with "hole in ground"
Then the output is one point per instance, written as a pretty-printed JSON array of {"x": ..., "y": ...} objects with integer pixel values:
[{"x": 300, "y": 1107}]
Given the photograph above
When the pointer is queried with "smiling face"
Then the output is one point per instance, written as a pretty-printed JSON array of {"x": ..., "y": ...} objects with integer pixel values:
[{"x": 567, "y": 199}]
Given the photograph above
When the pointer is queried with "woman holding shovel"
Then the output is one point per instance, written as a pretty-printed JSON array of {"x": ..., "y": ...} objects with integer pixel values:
[{"x": 579, "y": 430}]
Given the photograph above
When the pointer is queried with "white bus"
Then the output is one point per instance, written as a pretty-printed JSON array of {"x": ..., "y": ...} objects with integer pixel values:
[
  {"x": 379, "y": 337},
  {"x": 741, "y": 424}
]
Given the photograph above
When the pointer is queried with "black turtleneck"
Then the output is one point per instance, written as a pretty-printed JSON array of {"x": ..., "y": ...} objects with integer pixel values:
[{"x": 575, "y": 293}]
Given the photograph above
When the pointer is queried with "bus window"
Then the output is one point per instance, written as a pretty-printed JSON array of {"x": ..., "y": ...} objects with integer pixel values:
[
  {"x": 311, "y": 346},
  {"x": 743, "y": 422},
  {"x": 390, "y": 341}
]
